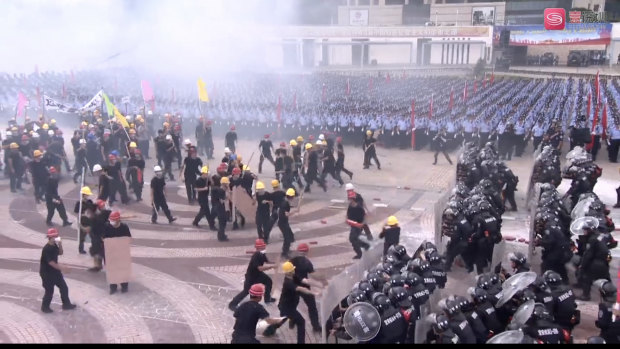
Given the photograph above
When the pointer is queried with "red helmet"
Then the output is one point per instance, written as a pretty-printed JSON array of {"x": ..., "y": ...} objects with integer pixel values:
[
  {"x": 236, "y": 171},
  {"x": 115, "y": 216},
  {"x": 282, "y": 145},
  {"x": 52, "y": 233},
  {"x": 257, "y": 290},
  {"x": 100, "y": 204},
  {"x": 209, "y": 122},
  {"x": 25, "y": 137},
  {"x": 232, "y": 128},
  {"x": 339, "y": 139},
  {"x": 311, "y": 137},
  {"x": 303, "y": 247},
  {"x": 137, "y": 151},
  {"x": 266, "y": 136},
  {"x": 259, "y": 244},
  {"x": 52, "y": 169},
  {"x": 177, "y": 127},
  {"x": 112, "y": 157}
]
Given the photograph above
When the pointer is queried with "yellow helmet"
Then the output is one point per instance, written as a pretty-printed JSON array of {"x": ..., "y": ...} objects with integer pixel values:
[
  {"x": 86, "y": 191},
  {"x": 99, "y": 120},
  {"x": 37, "y": 153},
  {"x": 84, "y": 123},
  {"x": 275, "y": 183},
  {"x": 204, "y": 169},
  {"x": 239, "y": 158},
  {"x": 166, "y": 124},
  {"x": 392, "y": 220},
  {"x": 293, "y": 143},
  {"x": 260, "y": 185},
  {"x": 246, "y": 167},
  {"x": 132, "y": 126},
  {"x": 132, "y": 131},
  {"x": 300, "y": 139},
  {"x": 368, "y": 133},
  {"x": 324, "y": 142},
  {"x": 53, "y": 121},
  {"x": 288, "y": 267},
  {"x": 14, "y": 145},
  {"x": 308, "y": 146},
  {"x": 225, "y": 180},
  {"x": 133, "y": 145},
  {"x": 290, "y": 192},
  {"x": 139, "y": 116},
  {"x": 14, "y": 129},
  {"x": 45, "y": 126}
]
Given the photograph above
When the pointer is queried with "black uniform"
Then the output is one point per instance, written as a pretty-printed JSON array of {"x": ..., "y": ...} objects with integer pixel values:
[
  {"x": 357, "y": 214},
  {"x": 54, "y": 202},
  {"x": 340, "y": 162},
  {"x": 38, "y": 169},
  {"x": 460, "y": 234},
  {"x": 609, "y": 324},
  {"x": 486, "y": 234},
  {"x": 440, "y": 142},
  {"x": 159, "y": 199},
  {"x": 254, "y": 276},
  {"x": 218, "y": 196},
  {"x": 203, "y": 201},
  {"x": 370, "y": 152},
  {"x": 391, "y": 235},
  {"x": 487, "y": 314},
  {"x": 546, "y": 332},
  {"x": 247, "y": 316},
  {"x": 303, "y": 267},
  {"x": 17, "y": 168},
  {"x": 191, "y": 171},
  {"x": 565, "y": 311},
  {"x": 265, "y": 146},
  {"x": 263, "y": 225},
  {"x": 80, "y": 163},
  {"x": 230, "y": 140},
  {"x": 595, "y": 262},
  {"x": 393, "y": 327},
  {"x": 285, "y": 227},
  {"x": 52, "y": 277},
  {"x": 556, "y": 252},
  {"x": 288, "y": 307},
  {"x": 117, "y": 183},
  {"x": 135, "y": 176},
  {"x": 312, "y": 171},
  {"x": 87, "y": 205}
]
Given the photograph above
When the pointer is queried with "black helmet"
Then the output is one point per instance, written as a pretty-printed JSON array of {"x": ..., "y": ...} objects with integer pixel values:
[
  {"x": 527, "y": 295},
  {"x": 441, "y": 323},
  {"x": 433, "y": 257},
  {"x": 607, "y": 289},
  {"x": 398, "y": 280},
  {"x": 449, "y": 305},
  {"x": 595, "y": 340},
  {"x": 375, "y": 280},
  {"x": 541, "y": 312},
  {"x": 464, "y": 303},
  {"x": 399, "y": 297},
  {"x": 367, "y": 288},
  {"x": 517, "y": 257},
  {"x": 428, "y": 246},
  {"x": 390, "y": 258},
  {"x": 552, "y": 278},
  {"x": 381, "y": 301},
  {"x": 412, "y": 279},
  {"x": 540, "y": 285},
  {"x": 484, "y": 205},
  {"x": 420, "y": 266},
  {"x": 388, "y": 268},
  {"x": 484, "y": 281},
  {"x": 399, "y": 251},
  {"x": 477, "y": 294},
  {"x": 356, "y": 296}
]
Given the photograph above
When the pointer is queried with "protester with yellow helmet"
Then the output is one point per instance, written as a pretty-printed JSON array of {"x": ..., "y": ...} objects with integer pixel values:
[
  {"x": 219, "y": 200},
  {"x": 370, "y": 152},
  {"x": 87, "y": 206},
  {"x": 263, "y": 214},
  {"x": 17, "y": 167},
  {"x": 391, "y": 234},
  {"x": 135, "y": 169},
  {"x": 284, "y": 212},
  {"x": 39, "y": 173},
  {"x": 289, "y": 300},
  {"x": 202, "y": 186}
]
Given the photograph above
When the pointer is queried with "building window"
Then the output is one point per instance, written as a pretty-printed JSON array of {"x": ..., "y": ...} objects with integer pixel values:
[
  {"x": 363, "y": 2},
  {"x": 394, "y": 2},
  {"x": 596, "y": 7}
]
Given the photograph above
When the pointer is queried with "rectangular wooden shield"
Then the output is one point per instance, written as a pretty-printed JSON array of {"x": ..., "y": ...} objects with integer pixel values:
[
  {"x": 243, "y": 202},
  {"x": 118, "y": 259}
]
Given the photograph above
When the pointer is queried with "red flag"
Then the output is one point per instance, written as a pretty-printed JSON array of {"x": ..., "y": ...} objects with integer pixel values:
[
  {"x": 465, "y": 92},
  {"x": 430, "y": 110},
  {"x": 22, "y": 102},
  {"x": 348, "y": 87},
  {"x": 484, "y": 83},
  {"x": 475, "y": 86},
  {"x": 492, "y": 78},
  {"x": 589, "y": 104},
  {"x": 39, "y": 96},
  {"x": 590, "y": 145},
  {"x": 387, "y": 78},
  {"x": 323, "y": 93},
  {"x": 279, "y": 111},
  {"x": 604, "y": 121},
  {"x": 451, "y": 98},
  {"x": 598, "y": 88},
  {"x": 412, "y": 124}
]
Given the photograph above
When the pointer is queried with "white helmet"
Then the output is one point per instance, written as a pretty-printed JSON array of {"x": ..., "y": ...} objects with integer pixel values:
[
  {"x": 97, "y": 168},
  {"x": 321, "y": 137},
  {"x": 9, "y": 133},
  {"x": 187, "y": 141},
  {"x": 82, "y": 141},
  {"x": 50, "y": 132},
  {"x": 226, "y": 150},
  {"x": 168, "y": 137},
  {"x": 157, "y": 169},
  {"x": 34, "y": 135},
  {"x": 149, "y": 112},
  {"x": 319, "y": 142},
  {"x": 349, "y": 186}
]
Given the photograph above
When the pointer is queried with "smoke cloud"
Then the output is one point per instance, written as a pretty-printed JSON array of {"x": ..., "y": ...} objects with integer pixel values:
[{"x": 163, "y": 36}]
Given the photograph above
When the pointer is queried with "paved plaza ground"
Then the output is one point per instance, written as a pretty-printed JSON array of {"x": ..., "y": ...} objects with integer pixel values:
[{"x": 184, "y": 278}]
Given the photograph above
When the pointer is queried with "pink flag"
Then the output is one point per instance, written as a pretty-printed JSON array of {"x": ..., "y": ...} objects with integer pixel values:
[
  {"x": 147, "y": 91},
  {"x": 22, "y": 101}
]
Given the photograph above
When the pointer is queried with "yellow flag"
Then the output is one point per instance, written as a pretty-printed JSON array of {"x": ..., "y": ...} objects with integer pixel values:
[
  {"x": 202, "y": 91},
  {"x": 120, "y": 118}
]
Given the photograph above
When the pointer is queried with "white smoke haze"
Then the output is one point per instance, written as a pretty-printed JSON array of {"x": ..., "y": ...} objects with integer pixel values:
[{"x": 166, "y": 37}]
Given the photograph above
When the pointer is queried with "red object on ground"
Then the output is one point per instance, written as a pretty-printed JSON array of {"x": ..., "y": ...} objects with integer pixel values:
[
  {"x": 509, "y": 238},
  {"x": 377, "y": 199},
  {"x": 407, "y": 188},
  {"x": 313, "y": 243},
  {"x": 249, "y": 252},
  {"x": 521, "y": 240},
  {"x": 323, "y": 221}
]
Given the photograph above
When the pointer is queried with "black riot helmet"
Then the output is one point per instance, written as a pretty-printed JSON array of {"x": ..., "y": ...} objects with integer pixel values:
[
  {"x": 398, "y": 280},
  {"x": 399, "y": 297},
  {"x": 375, "y": 280},
  {"x": 595, "y": 340},
  {"x": 484, "y": 281},
  {"x": 552, "y": 278},
  {"x": 517, "y": 258},
  {"x": 607, "y": 289},
  {"x": 367, "y": 288},
  {"x": 412, "y": 279},
  {"x": 356, "y": 296},
  {"x": 477, "y": 294},
  {"x": 397, "y": 250},
  {"x": 441, "y": 323},
  {"x": 381, "y": 301},
  {"x": 541, "y": 312}
]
